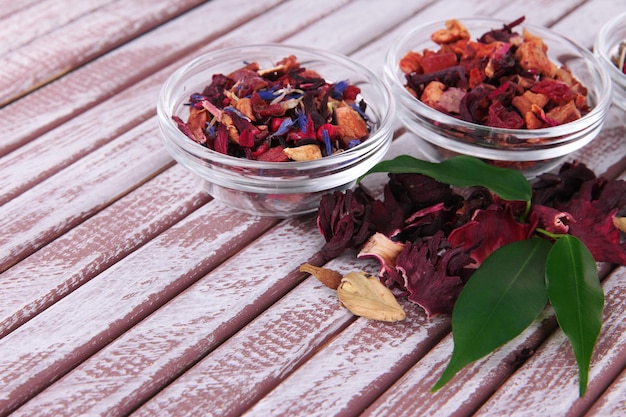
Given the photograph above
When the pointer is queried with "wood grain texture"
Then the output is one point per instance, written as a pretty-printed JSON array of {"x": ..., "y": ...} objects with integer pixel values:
[
  {"x": 127, "y": 290},
  {"x": 73, "y": 329},
  {"x": 612, "y": 402},
  {"x": 137, "y": 365},
  {"x": 56, "y": 205},
  {"x": 40, "y": 19},
  {"x": 109, "y": 74},
  {"x": 96, "y": 244},
  {"x": 49, "y": 57}
]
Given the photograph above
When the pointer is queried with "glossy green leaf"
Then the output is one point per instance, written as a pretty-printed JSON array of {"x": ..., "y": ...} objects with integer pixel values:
[
  {"x": 463, "y": 171},
  {"x": 577, "y": 297},
  {"x": 503, "y": 296}
]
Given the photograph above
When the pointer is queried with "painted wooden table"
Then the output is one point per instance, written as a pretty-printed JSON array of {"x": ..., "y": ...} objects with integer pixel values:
[{"x": 126, "y": 290}]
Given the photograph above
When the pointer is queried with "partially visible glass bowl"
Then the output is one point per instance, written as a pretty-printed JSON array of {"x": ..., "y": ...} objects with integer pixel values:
[
  {"x": 276, "y": 189},
  {"x": 441, "y": 136},
  {"x": 605, "y": 48}
]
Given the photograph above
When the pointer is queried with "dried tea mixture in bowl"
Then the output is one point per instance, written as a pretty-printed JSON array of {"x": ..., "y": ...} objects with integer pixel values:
[
  {"x": 502, "y": 79},
  {"x": 284, "y": 113}
]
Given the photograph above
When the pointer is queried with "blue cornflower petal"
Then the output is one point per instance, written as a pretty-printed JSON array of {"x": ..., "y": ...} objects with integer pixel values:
[
  {"x": 338, "y": 89},
  {"x": 284, "y": 127},
  {"x": 302, "y": 121},
  {"x": 358, "y": 109},
  {"x": 353, "y": 143},
  {"x": 210, "y": 130},
  {"x": 326, "y": 139}
]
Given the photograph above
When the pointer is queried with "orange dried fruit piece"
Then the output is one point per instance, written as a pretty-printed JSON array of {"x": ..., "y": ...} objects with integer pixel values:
[
  {"x": 453, "y": 32},
  {"x": 351, "y": 123}
]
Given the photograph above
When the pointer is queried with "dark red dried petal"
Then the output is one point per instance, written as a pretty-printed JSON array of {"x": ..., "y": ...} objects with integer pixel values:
[
  {"x": 550, "y": 219},
  {"x": 593, "y": 213},
  {"x": 487, "y": 231},
  {"x": 344, "y": 221},
  {"x": 275, "y": 154},
  {"x": 500, "y": 117},
  {"x": 427, "y": 277},
  {"x": 221, "y": 139}
]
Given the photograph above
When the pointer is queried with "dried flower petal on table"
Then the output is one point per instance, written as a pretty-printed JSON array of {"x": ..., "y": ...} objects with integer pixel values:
[
  {"x": 431, "y": 271},
  {"x": 365, "y": 296}
]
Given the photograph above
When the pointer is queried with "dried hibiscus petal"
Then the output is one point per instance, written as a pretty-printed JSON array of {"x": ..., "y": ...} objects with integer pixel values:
[{"x": 429, "y": 281}]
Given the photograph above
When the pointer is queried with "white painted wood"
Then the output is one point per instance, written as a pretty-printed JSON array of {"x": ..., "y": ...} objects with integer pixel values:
[
  {"x": 102, "y": 240},
  {"x": 41, "y": 18},
  {"x": 162, "y": 317},
  {"x": 137, "y": 365},
  {"x": 47, "y": 58},
  {"x": 70, "y": 331}
]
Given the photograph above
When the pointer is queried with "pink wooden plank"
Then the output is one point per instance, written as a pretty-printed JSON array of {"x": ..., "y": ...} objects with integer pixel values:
[
  {"x": 8, "y": 7},
  {"x": 548, "y": 383},
  {"x": 74, "y": 258},
  {"x": 139, "y": 363},
  {"x": 41, "y": 18},
  {"x": 73, "y": 329},
  {"x": 49, "y": 57},
  {"x": 612, "y": 402},
  {"x": 48, "y": 210},
  {"x": 72, "y": 140},
  {"x": 87, "y": 86},
  {"x": 344, "y": 376}
]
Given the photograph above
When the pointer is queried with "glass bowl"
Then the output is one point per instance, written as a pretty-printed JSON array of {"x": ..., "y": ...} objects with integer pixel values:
[
  {"x": 606, "y": 47},
  {"x": 277, "y": 189},
  {"x": 440, "y": 136}
]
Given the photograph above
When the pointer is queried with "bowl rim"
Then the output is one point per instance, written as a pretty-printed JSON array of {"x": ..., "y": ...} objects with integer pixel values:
[
  {"x": 602, "y": 46},
  {"x": 383, "y": 129},
  {"x": 398, "y": 47}
]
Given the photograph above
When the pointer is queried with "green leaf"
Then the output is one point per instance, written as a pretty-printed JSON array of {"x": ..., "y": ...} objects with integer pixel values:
[
  {"x": 463, "y": 171},
  {"x": 503, "y": 296},
  {"x": 575, "y": 292}
]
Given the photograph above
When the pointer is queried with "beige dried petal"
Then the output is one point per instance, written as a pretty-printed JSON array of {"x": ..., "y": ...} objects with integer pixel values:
[
  {"x": 382, "y": 248},
  {"x": 620, "y": 223},
  {"x": 364, "y": 295},
  {"x": 304, "y": 153},
  {"x": 244, "y": 105},
  {"x": 328, "y": 277}
]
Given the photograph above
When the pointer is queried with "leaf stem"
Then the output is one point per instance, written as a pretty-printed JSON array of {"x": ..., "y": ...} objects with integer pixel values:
[{"x": 555, "y": 236}]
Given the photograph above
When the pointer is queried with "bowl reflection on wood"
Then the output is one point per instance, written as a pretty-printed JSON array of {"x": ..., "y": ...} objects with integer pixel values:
[
  {"x": 531, "y": 150},
  {"x": 277, "y": 189}
]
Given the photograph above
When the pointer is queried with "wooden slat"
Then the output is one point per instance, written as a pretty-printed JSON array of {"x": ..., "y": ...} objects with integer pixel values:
[
  {"x": 54, "y": 206},
  {"x": 41, "y": 18},
  {"x": 9, "y": 7},
  {"x": 138, "y": 364},
  {"x": 91, "y": 247},
  {"x": 47, "y": 58},
  {"x": 73, "y": 329},
  {"x": 89, "y": 85},
  {"x": 612, "y": 402}
]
